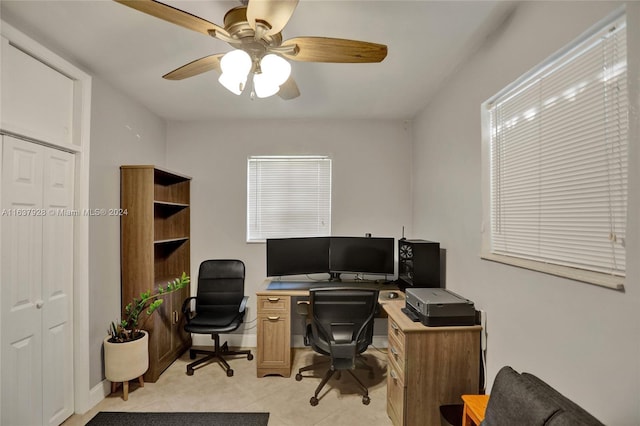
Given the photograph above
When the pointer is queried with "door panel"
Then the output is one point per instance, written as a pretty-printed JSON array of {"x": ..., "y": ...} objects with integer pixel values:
[
  {"x": 37, "y": 101},
  {"x": 57, "y": 284},
  {"x": 21, "y": 282},
  {"x": 182, "y": 338},
  {"x": 37, "y": 283},
  {"x": 57, "y": 382},
  {"x": 21, "y": 229},
  {"x": 25, "y": 355}
]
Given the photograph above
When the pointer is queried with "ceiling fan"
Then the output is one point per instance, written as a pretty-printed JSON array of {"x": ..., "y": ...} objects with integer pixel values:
[{"x": 254, "y": 30}]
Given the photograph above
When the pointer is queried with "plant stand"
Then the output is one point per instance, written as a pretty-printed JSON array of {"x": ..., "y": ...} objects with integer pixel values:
[
  {"x": 125, "y": 387},
  {"x": 126, "y": 361}
]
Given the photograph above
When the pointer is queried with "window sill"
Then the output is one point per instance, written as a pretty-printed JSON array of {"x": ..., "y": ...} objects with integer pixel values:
[{"x": 596, "y": 278}]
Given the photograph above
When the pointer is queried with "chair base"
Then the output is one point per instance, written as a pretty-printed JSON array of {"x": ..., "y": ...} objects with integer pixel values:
[
  {"x": 365, "y": 392},
  {"x": 360, "y": 362},
  {"x": 217, "y": 354}
]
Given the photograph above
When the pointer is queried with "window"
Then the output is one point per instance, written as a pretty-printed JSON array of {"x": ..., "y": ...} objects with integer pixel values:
[
  {"x": 288, "y": 197},
  {"x": 555, "y": 152}
]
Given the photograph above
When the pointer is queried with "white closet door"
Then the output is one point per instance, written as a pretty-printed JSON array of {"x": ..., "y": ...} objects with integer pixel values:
[
  {"x": 21, "y": 283},
  {"x": 37, "y": 254},
  {"x": 57, "y": 287}
]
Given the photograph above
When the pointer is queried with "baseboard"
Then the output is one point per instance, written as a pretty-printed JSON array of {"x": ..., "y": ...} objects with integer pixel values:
[{"x": 98, "y": 393}]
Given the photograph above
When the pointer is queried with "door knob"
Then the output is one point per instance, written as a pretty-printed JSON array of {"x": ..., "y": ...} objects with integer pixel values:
[{"x": 39, "y": 304}]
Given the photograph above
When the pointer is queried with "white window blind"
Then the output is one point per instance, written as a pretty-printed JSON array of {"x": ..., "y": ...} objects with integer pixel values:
[
  {"x": 558, "y": 165},
  {"x": 288, "y": 197}
]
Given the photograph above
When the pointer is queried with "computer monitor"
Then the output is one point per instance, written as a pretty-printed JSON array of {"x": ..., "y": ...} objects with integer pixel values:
[
  {"x": 367, "y": 255},
  {"x": 297, "y": 256}
]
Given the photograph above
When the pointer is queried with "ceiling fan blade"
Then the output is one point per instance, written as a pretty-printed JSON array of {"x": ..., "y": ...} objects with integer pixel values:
[
  {"x": 173, "y": 15},
  {"x": 289, "y": 89},
  {"x": 325, "y": 49},
  {"x": 276, "y": 13},
  {"x": 208, "y": 63}
]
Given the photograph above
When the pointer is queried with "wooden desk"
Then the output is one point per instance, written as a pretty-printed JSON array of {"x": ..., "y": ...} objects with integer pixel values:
[
  {"x": 274, "y": 323},
  {"x": 428, "y": 367},
  {"x": 474, "y": 409}
]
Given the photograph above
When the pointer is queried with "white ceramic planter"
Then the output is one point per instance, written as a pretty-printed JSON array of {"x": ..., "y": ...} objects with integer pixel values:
[{"x": 126, "y": 361}]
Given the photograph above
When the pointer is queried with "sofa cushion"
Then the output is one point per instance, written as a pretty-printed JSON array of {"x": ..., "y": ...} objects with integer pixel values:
[
  {"x": 570, "y": 413},
  {"x": 516, "y": 400}
]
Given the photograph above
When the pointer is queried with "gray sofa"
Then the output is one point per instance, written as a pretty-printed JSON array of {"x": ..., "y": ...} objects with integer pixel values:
[{"x": 525, "y": 400}]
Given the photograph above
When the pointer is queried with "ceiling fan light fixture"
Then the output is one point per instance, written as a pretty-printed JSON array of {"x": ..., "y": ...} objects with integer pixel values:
[
  {"x": 235, "y": 67},
  {"x": 275, "y": 68},
  {"x": 255, "y": 29},
  {"x": 233, "y": 83},
  {"x": 264, "y": 86},
  {"x": 236, "y": 62},
  {"x": 272, "y": 73}
]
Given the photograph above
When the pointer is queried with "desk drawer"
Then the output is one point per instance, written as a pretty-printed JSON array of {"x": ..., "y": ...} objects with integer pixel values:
[
  {"x": 394, "y": 329},
  {"x": 396, "y": 393},
  {"x": 396, "y": 354},
  {"x": 274, "y": 304}
]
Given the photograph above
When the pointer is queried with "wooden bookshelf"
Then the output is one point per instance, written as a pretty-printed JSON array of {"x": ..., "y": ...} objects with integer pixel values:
[{"x": 155, "y": 249}]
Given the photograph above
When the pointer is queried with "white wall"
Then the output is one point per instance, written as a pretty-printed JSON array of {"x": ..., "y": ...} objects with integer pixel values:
[
  {"x": 122, "y": 132},
  {"x": 581, "y": 339},
  {"x": 371, "y": 181}
]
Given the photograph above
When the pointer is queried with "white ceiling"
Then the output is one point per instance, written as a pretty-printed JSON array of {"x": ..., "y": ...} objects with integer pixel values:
[{"x": 131, "y": 51}]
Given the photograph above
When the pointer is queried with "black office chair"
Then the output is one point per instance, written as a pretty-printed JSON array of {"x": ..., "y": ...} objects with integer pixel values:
[
  {"x": 220, "y": 307},
  {"x": 341, "y": 328}
]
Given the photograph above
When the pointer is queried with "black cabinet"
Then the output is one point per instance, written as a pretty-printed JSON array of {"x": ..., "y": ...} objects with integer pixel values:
[{"x": 418, "y": 263}]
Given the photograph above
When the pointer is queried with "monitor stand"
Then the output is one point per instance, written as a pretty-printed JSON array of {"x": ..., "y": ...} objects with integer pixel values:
[{"x": 334, "y": 276}]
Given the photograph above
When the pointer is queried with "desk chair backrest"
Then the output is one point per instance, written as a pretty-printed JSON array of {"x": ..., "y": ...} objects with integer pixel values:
[
  {"x": 220, "y": 287},
  {"x": 342, "y": 318}
]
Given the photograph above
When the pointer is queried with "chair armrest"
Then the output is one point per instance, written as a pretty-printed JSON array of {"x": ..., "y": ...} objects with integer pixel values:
[
  {"x": 302, "y": 307},
  {"x": 186, "y": 309},
  {"x": 243, "y": 304},
  {"x": 307, "y": 333}
]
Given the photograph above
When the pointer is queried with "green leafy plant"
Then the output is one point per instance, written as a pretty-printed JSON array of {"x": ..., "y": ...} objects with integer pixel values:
[{"x": 141, "y": 308}]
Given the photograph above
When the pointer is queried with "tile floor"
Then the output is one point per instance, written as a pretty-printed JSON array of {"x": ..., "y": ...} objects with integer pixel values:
[{"x": 287, "y": 400}]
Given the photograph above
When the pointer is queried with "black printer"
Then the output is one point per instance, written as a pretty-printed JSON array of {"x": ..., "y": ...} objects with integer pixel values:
[{"x": 438, "y": 307}]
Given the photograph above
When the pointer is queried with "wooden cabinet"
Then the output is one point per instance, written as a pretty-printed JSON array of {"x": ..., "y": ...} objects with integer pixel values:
[
  {"x": 428, "y": 367},
  {"x": 36, "y": 100},
  {"x": 274, "y": 336},
  {"x": 155, "y": 226}
]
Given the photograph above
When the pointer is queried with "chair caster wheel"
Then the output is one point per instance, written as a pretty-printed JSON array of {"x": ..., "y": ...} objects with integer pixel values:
[
  {"x": 313, "y": 401},
  {"x": 192, "y": 355},
  {"x": 229, "y": 373},
  {"x": 189, "y": 372},
  {"x": 250, "y": 357},
  {"x": 366, "y": 400},
  {"x": 298, "y": 377}
]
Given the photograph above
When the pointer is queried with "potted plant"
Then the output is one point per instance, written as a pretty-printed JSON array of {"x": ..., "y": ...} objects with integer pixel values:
[{"x": 126, "y": 354}]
